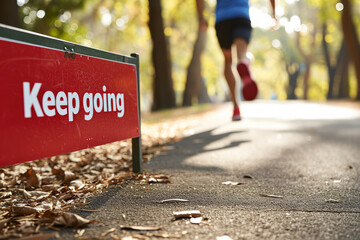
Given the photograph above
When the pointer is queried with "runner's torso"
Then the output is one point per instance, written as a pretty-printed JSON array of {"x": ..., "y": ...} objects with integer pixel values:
[{"x": 227, "y": 9}]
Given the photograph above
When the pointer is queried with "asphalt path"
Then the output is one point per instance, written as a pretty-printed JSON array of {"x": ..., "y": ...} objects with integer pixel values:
[{"x": 298, "y": 164}]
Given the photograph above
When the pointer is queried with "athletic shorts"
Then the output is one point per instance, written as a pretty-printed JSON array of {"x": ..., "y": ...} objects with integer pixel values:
[{"x": 228, "y": 30}]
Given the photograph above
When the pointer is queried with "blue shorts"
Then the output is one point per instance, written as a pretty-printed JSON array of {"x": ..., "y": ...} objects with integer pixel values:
[{"x": 228, "y": 30}]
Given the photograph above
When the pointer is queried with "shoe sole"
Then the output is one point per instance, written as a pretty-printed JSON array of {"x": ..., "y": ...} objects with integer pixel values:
[{"x": 249, "y": 89}]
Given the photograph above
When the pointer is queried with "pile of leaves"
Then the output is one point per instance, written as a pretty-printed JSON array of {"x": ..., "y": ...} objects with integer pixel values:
[{"x": 40, "y": 193}]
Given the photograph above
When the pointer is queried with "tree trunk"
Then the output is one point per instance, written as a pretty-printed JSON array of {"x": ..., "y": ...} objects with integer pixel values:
[
  {"x": 9, "y": 13},
  {"x": 351, "y": 40},
  {"x": 163, "y": 92},
  {"x": 343, "y": 76},
  {"x": 195, "y": 87},
  {"x": 293, "y": 72},
  {"x": 331, "y": 68},
  {"x": 308, "y": 59}
]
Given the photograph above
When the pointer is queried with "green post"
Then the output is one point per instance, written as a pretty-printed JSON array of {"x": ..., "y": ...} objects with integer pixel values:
[{"x": 136, "y": 142}]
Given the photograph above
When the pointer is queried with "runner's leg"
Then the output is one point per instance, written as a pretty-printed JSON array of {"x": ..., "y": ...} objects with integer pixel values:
[
  {"x": 229, "y": 76},
  {"x": 241, "y": 49}
]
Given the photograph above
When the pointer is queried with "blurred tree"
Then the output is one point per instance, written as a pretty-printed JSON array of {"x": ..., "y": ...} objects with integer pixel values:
[
  {"x": 195, "y": 88},
  {"x": 334, "y": 50},
  {"x": 308, "y": 56},
  {"x": 163, "y": 92},
  {"x": 338, "y": 71},
  {"x": 9, "y": 13},
  {"x": 351, "y": 40},
  {"x": 292, "y": 62},
  {"x": 53, "y": 18}
]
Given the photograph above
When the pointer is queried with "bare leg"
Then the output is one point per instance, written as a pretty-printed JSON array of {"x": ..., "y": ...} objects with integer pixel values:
[
  {"x": 229, "y": 76},
  {"x": 249, "y": 87},
  {"x": 241, "y": 48}
]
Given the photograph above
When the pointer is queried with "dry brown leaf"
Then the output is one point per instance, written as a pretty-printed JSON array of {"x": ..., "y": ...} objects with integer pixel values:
[
  {"x": 173, "y": 200},
  {"x": 58, "y": 172},
  {"x": 40, "y": 236},
  {"x": 159, "y": 179},
  {"x": 66, "y": 196},
  {"x": 108, "y": 231},
  {"x": 187, "y": 214},
  {"x": 69, "y": 176},
  {"x": 49, "y": 216},
  {"x": 48, "y": 180},
  {"x": 196, "y": 220},
  {"x": 25, "y": 193},
  {"x": 79, "y": 233},
  {"x": 223, "y": 238},
  {"x": 50, "y": 187},
  {"x": 140, "y": 228},
  {"x": 23, "y": 210},
  {"x": 163, "y": 235},
  {"x": 32, "y": 178},
  {"x": 232, "y": 183},
  {"x": 39, "y": 194},
  {"x": 26, "y": 227},
  {"x": 5, "y": 194},
  {"x": 271, "y": 195},
  {"x": 78, "y": 184},
  {"x": 333, "y": 200},
  {"x": 3, "y": 223},
  {"x": 71, "y": 220}
]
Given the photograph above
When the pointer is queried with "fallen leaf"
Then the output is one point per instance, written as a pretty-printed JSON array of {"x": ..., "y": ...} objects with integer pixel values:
[
  {"x": 164, "y": 235},
  {"x": 40, "y": 236},
  {"x": 78, "y": 184},
  {"x": 88, "y": 210},
  {"x": 58, "y": 172},
  {"x": 271, "y": 195},
  {"x": 23, "y": 210},
  {"x": 187, "y": 214},
  {"x": 140, "y": 228},
  {"x": 66, "y": 196},
  {"x": 3, "y": 223},
  {"x": 32, "y": 178},
  {"x": 79, "y": 233},
  {"x": 160, "y": 178},
  {"x": 5, "y": 194},
  {"x": 223, "y": 238},
  {"x": 48, "y": 188},
  {"x": 232, "y": 183},
  {"x": 108, "y": 231},
  {"x": 39, "y": 194},
  {"x": 333, "y": 200},
  {"x": 196, "y": 220},
  {"x": 49, "y": 216},
  {"x": 69, "y": 176},
  {"x": 26, "y": 227},
  {"x": 25, "y": 193},
  {"x": 71, "y": 220},
  {"x": 173, "y": 200}
]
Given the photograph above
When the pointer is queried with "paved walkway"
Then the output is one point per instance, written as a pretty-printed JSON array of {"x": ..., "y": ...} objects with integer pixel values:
[{"x": 307, "y": 153}]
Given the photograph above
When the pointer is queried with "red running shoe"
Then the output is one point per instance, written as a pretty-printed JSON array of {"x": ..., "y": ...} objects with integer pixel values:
[
  {"x": 236, "y": 114},
  {"x": 249, "y": 89}
]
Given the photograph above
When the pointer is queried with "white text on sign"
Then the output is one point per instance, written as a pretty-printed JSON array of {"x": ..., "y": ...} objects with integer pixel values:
[{"x": 69, "y": 104}]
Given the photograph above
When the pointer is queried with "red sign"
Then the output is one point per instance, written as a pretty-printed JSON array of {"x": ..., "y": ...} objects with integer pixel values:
[{"x": 53, "y": 102}]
